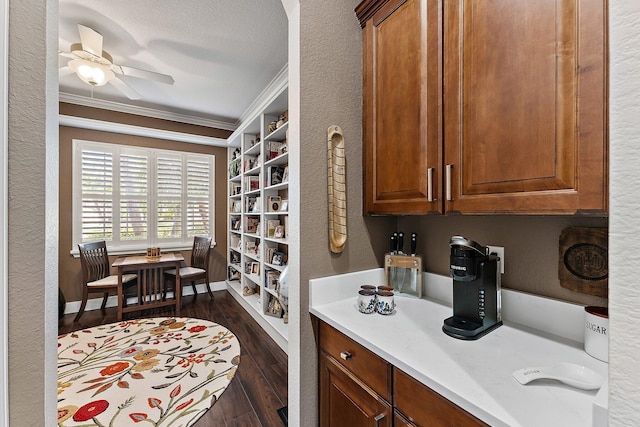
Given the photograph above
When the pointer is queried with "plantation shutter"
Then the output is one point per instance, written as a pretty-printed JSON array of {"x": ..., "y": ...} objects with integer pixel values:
[
  {"x": 169, "y": 177},
  {"x": 134, "y": 192},
  {"x": 135, "y": 197},
  {"x": 198, "y": 196},
  {"x": 97, "y": 195}
]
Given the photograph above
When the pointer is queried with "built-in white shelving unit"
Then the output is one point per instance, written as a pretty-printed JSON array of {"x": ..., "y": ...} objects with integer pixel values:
[{"x": 258, "y": 214}]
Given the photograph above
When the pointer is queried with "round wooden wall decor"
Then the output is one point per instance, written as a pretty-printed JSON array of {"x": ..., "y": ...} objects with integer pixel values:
[{"x": 583, "y": 264}]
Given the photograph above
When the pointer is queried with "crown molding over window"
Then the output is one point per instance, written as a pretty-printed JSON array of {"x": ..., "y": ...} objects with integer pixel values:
[
  {"x": 92, "y": 124},
  {"x": 147, "y": 112}
]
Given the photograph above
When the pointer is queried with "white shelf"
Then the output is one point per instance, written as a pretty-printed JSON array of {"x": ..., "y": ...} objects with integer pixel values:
[
  {"x": 273, "y": 326},
  {"x": 249, "y": 131},
  {"x": 280, "y": 186},
  {"x": 282, "y": 159},
  {"x": 281, "y": 241},
  {"x": 251, "y": 151},
  {"x": 255, "y": 278},
  {"x": 279, "y": 268},
  {"x": 270, "y": 291},
  {"x": 253, "y": 171},
  {"x": 278, "y": 134}
]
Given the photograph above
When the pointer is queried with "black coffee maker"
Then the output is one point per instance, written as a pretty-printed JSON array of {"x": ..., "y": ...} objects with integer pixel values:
[{"x": 476, "y": 290}]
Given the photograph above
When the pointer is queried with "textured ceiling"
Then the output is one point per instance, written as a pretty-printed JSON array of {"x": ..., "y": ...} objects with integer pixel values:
[{"x": 221, "y": 53}]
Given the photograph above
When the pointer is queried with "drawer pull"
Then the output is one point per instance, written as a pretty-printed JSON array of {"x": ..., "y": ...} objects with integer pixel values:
[
  {"x": 345, "y": 355},
  {"x": 377, "y": 419}
]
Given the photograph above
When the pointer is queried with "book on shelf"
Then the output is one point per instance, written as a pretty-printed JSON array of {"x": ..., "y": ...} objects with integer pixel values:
[
  {"x": 236, "y": 188},
  {"x": 268, "y": 253},
  {"x": 275, "y": 175},
  {"x": 271, "y": 227},
  {"x": 251, "y": 183},
  {"x": 271, "y": 280},
  {"x": 276, "y": 148},
  {"x": 252, "y": 225}
]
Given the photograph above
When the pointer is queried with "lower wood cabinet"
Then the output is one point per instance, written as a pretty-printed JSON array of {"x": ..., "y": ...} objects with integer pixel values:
[
  {"x": 424, "y": 407},
  {"x": 347, "y": 401},
  {"x": 358, "y": 388}
]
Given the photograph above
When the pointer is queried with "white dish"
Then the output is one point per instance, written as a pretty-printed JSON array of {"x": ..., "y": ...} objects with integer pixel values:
[{"x": 568, "y": 373}]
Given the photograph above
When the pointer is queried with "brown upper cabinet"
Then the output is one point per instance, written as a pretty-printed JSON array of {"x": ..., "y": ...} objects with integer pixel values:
[{"x": 485, "y": 106}]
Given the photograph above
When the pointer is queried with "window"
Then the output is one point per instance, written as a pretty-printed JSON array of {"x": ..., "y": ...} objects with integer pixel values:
[{"x": 139, "y": 197}]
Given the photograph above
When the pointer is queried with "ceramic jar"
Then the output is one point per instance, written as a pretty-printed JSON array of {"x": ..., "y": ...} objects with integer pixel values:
[
  {"x": 385, "y": 304},
  {"x": 366, "y": 301}
]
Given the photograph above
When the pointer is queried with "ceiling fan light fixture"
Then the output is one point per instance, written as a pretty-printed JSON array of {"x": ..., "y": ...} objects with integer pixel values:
[{"x": 91, "y": 72}]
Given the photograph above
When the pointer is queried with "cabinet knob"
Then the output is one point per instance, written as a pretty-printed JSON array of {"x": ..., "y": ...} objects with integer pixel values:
[{"x": 345, "y": 355}]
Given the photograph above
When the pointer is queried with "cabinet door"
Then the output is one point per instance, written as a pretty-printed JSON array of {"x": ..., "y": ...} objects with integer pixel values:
[
  {"x": 346, "y": 401},
  {"x": 402, "y": 131},
  {"x": 525, "y": 106}
]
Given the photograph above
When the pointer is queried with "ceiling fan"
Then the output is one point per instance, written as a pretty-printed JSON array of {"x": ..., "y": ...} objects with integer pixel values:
[{"x": 95, "y": 66}]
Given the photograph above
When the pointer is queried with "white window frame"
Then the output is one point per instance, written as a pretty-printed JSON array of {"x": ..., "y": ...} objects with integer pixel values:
[{"x": 126, "y": 247}]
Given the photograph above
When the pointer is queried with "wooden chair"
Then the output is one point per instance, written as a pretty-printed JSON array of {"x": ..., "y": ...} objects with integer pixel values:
[
  {"x": 96, "y": 274},
  {"x": 199, "y": 268}
]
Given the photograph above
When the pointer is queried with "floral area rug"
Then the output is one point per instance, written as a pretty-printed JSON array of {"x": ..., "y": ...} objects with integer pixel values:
[{"x": 159, "y": 371}]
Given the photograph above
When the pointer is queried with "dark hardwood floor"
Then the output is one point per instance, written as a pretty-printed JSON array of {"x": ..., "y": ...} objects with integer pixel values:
[{"x": 259, "y": 388}]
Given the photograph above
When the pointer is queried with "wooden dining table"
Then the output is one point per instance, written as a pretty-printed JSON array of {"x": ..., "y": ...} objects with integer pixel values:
[{"x": 151, "y": 284}]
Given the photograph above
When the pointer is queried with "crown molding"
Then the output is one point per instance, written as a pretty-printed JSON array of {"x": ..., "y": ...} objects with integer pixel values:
[
  {"x": 273, "y": 89},
  {"x": 145, "y": 111},
  {"x": 279, "y": 83},
  {"x": 92, "y": 124}
]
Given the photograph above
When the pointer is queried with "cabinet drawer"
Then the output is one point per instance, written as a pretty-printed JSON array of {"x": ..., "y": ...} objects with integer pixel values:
[
  {"x": 368, "y": 367},
  {"x": 424, "y": 407}
]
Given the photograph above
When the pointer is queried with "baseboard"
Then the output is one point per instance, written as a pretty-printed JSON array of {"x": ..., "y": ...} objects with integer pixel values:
[{"x": 112, "y": 301}]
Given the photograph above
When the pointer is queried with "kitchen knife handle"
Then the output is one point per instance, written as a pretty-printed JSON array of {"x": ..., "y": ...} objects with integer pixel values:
[
  {"x": 430, "y": 198},
  {"x": 394, "y": 245},
  {"x": 414, "y": 243},
  {"x": 448, "y": 181},
  {"x": 400, "y": 242}
]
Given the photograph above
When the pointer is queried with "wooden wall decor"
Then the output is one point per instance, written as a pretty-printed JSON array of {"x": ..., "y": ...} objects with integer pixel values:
[
  {"x": 337, "y": 189},
  {"x": 583, "y": 263}
]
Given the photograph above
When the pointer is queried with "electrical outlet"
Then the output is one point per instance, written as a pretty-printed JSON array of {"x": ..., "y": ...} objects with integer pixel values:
[{"x": 498, "y": 250}]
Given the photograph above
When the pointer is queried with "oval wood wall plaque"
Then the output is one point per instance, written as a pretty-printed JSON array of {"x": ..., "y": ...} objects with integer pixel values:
[{"x": 583, "y": 264}]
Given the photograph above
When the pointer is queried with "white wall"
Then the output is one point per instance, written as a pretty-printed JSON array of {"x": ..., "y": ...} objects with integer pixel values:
[{"x": 624, "y": 227}]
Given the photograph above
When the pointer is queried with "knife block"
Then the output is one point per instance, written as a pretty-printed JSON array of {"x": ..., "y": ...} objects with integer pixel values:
[{"x": 404, "y": 273}]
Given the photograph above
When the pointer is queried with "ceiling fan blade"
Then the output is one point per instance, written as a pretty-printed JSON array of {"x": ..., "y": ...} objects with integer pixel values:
[
  {"x": 91, "y": 40},
  {"x": 125, "y": 88},
  {"x": 143, "y": 74},
  {"x": 64, "y": 71}
]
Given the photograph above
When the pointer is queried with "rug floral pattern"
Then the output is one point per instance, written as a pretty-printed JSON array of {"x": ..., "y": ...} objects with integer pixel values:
[{"x": 159, "y": 372}]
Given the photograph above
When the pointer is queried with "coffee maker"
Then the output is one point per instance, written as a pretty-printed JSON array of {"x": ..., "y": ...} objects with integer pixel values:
[{"x": 476, "y": 290}]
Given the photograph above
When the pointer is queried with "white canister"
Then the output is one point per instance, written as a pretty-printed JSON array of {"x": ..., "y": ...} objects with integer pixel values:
[
  {"x": 367, "y": 301},
  {"x": 596, "y": 332}
]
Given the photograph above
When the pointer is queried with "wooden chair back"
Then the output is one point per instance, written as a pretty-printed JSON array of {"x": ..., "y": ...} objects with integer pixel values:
[
  {"x": 95, "y": 261},
  {"x": 200, "y": 252}
]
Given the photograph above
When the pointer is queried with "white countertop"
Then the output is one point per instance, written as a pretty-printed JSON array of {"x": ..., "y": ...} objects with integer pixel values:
[{"x": 475, "y": 375}]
